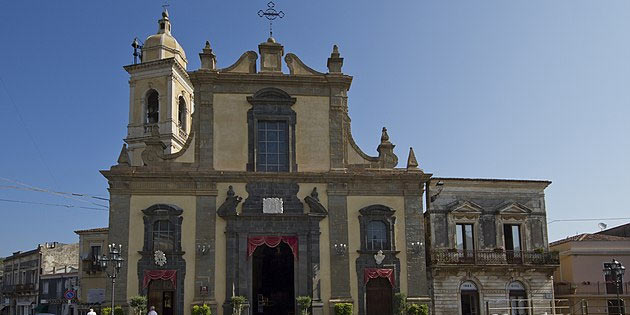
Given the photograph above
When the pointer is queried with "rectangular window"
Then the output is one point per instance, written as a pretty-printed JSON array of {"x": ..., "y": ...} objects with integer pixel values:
[
  {"x": 512, "y": 237},
  {"x": 465, "y": 239},
  {"x": 272, "y": 147},
  {"x": 95, "y": 252},
  {"x": 612, "y": 286},
  {"x": 616, "y": 307},
  {"x": 45, "y": 287}
]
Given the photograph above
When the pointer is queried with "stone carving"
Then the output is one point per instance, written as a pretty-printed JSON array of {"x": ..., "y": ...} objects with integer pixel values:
[
  {"x": 160, "y": 258},
  {"x": 314, "y": 204},
  {"x": 386, "y": 156},
  {"x": 229, "y": 205},
  {"x": 123, "y": 158},
  {"x": 297, "y": 66},
  {"x": 378, "y": 257},
  {"x": 208, "y": 59},
  {"x": 272, "y": 205},
  {"x": 154, "y": 151}
]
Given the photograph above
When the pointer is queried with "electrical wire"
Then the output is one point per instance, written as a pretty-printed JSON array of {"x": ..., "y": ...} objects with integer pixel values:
[
  {"x": 584, "y": 220},
  {"x": 51, "y": 204},
  {"x": 73, "y": 196},
  {"x": 28, "y": 132}
]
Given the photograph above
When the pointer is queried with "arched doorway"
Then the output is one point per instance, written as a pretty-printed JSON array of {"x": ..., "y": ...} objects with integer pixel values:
[
  {"x": 273, "y": 280},
  {"x": 378, "y": 297},
  {"x": 470, "y": 298},
  {"x": 518, "y": 298},
  {"x": 162, "y": 296}
]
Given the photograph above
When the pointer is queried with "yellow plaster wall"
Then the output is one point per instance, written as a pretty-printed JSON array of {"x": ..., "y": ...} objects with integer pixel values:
[
  {"x": 220, "y": 293},
  {"x": 230, "y": 131},
  {"x": 312, "y": 146},
  {"x": 356, "y": 203},
  {"x": 94, "y": 280},
  {"x": 136, "y": 240},
  {"x": 354, "y": 157}
]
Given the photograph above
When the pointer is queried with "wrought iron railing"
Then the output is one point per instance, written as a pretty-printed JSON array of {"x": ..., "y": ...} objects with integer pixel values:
[{"x": 493, "y": 257}]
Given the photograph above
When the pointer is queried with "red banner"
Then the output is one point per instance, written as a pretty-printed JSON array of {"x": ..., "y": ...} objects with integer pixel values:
[
  {"x": 159, "y": 275},
  {"x": 272, "y": 241},
  {"x": 372, "y": 273}
]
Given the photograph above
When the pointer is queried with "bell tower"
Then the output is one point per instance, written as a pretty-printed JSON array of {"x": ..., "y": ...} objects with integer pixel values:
[{"x": 161, "y": 94}]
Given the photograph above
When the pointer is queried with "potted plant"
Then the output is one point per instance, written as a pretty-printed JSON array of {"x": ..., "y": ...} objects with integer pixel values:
[
  {"x": 238, "y": 302},
  {"x": 118, "y": 310},
  {"x": 400, "y": 304},
  {"x": 201, "y": 310},
  {"x": 413, "y": 309},
  {"x": 106, "y": 311},
  {"x": 343, "y": 308},
  {"x": 138, "y": 304},
  {"x": 304, "y": 303}
]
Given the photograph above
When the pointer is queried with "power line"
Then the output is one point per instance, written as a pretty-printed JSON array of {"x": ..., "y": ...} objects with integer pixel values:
[
  {"x": 51, "y": 204},
  {"x": 68, "y": 195},
  {"x": 584, "y": 220},
  {"x": 28, "y": 132}
]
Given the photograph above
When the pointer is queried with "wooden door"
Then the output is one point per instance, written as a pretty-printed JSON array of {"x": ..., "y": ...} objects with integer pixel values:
[{"x": 378, "y": 297}]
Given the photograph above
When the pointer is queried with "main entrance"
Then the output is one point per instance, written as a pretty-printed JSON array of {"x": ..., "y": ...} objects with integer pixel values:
[
  {"x": 378, "y": 297},
  {"x": 273, "y": 280},
  {"x": 161, "y": 296}
]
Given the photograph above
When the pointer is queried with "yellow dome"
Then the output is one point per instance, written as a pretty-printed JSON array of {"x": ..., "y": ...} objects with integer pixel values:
[{"x": 163, "y": 45}]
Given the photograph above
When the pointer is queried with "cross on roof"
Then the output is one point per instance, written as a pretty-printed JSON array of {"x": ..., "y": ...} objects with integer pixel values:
[{"x": 271, "y": 14}]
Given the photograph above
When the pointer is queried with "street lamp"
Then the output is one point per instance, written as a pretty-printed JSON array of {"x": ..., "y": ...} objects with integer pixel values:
[
  {"x": 115, "y": 260},
  {"x": 615, "y": 270}
]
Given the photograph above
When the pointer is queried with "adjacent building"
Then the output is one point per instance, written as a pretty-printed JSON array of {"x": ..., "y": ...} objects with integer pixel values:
[
  {"x": 92, "y": 278},
  {"x": 487, "y": 247},
  {"x": 580, "y": 280},
  {"x": 22, "y": 272},
  {"x": 52, "y": 291}
]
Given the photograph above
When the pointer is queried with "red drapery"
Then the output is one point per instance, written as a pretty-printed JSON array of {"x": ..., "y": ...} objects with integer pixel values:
[
  {"x": 272, "y": 241},
  {"x": 371, "y": 273},
  {"x": 159, "y": 275}
]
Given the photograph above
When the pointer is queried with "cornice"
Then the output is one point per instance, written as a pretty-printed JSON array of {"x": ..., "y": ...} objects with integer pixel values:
[{"x": 156, "y": 64}]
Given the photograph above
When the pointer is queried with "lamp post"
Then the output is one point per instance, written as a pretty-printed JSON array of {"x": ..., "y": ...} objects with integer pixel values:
[
  {"x": 115, "y": 260},
  {"x": 615, "y": 270}
]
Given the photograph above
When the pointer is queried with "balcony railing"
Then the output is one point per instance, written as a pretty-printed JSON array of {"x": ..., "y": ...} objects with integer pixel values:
[
  {"x": 493, "y": 257},
  {"x": 25, "y": 287},
  {"x": 589, "y": 288}
]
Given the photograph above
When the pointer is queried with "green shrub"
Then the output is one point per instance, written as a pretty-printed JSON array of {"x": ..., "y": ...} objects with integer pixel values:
[
  {"x": 138, "y": 304},
  {"x": 413, "y": 309},
  {"x": 118, "y": 310},
  {"x": 201, "y": 310},
  {"x": 343, "y": 309},
  {"x": 424, "y": 309},
  {"x": 304, "y": 303},
  {"x": 400, "y": 304},
  {"x": 238, "y": 302},
  {"x": 106, "y": 311}
]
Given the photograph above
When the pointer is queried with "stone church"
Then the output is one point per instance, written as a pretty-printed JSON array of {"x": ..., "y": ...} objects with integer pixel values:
[{"x": 246, "y": 181}]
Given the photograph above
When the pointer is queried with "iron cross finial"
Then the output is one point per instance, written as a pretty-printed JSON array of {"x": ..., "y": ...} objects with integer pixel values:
[
  {"x": 165, "y": 5},
  {"x": 271, "y": 14}
]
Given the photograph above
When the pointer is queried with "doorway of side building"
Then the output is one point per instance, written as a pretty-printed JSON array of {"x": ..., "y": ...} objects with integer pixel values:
[
  {"x": 162, "y": 296},
  {"x": 273, "y": 280},
  {"x": 378, "y": 297},
  {"x": 470, "y": 298}
]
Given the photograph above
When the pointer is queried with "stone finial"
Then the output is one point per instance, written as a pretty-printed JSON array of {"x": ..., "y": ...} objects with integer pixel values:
[
  {"x": 208, "y": 58},
  {"x": 412, "y": 163},
  {"x": 335, "y": 62},
  {"x": 123, "y": 158},
  {"x": 271, "y": 54},
  {"x": 230, "y": 192},
  {"x": 314, "y": 194},
  {"x": 384, "y": 136},
  {"x": 386, "y": 156}
]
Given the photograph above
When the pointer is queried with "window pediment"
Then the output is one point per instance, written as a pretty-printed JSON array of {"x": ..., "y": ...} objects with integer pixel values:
[
  {"x": 161, "y": 209},
  {"x": 513, "y": 208},
  {"x": 377, "y": 210}
]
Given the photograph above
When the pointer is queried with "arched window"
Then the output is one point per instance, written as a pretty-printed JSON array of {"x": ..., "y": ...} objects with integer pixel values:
[
  {"x": 181, "y": 113},
  {"x": 518, "y": 298},
  {"x": 376, "y": 236},
  {"x": 163, "y": 236},
  {"x": 469, "y": 298},
  {"x": 153, "y": 107}
]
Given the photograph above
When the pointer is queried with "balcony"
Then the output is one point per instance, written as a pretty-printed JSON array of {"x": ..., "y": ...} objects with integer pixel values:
[
  {"x": 492, "y": 257},
  {"x": 25, "y": 287},
  {"x": 8, "y": 288},
  {"x": 589, "y": 288}
]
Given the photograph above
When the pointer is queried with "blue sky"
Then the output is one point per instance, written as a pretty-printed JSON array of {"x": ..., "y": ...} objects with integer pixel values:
[{"x": 530, "y": 89}]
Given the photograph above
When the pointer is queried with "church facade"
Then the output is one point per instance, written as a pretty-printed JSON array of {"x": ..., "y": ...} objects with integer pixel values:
[{"x": 246, "y": 181}]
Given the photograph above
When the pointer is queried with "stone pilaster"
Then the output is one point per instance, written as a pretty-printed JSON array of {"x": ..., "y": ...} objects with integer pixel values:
[
  {"x": 205, "y": 258},
  {"x": 119, "y": 205},
  {"x": 338, "y": 227},
  {"x": 417, "y": 285},
  {"x": 337, "y": 127},
  {"x": 205, "y": 126}
]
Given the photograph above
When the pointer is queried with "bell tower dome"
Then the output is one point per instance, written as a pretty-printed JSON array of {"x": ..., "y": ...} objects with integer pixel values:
[{"x": 161, "y": 94}]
